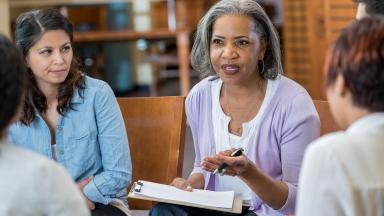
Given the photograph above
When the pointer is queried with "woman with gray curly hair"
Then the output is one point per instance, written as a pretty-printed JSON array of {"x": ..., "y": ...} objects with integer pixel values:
[{"x": 245, "y": 102}]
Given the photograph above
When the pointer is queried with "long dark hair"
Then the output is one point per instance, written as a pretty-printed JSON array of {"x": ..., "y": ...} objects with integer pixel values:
[{"x": 30, "y": 27}]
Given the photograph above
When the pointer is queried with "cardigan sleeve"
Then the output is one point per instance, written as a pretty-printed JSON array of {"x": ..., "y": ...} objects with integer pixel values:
[
  {"x": 300, "y": 126},
  {"x": 191, "y": 111}
]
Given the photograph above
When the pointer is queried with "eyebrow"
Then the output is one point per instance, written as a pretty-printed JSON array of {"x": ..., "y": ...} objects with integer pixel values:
[
  {"x": 66, "y": 43},
  {"x": 48, "y": 47},
  {"x": 237, "y": 37}
]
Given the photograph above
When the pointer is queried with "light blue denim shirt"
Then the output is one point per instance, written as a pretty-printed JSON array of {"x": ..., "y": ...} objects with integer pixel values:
[{"x": 91, "y": 140}]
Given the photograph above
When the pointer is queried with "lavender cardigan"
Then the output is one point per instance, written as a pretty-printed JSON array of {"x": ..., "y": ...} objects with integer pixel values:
[{"x": 290, "y": 122}]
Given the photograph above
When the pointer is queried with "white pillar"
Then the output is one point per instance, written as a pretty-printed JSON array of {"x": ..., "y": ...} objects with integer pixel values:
[
  {"x": 5, "y": 21},
  {"x": 142, "y": 22}
]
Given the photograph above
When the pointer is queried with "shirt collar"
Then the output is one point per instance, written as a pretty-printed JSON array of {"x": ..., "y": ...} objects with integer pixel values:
[
  {"x": 76, "y": 97},
  {"x": 368, "y": 123}
]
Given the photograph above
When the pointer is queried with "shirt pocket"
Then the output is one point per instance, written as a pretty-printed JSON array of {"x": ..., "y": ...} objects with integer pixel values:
[{"x": 83, "y": 150}]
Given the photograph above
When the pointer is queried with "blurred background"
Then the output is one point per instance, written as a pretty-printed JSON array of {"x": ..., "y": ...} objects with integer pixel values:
[{"x": 141, "y": 47}]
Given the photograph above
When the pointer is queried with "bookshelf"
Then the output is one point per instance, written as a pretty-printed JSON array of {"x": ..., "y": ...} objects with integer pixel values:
[{"x": 182, "y": 42}]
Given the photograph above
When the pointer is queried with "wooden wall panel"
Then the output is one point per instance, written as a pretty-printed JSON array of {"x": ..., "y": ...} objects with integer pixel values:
[
  {"x": 296, "y": 47},
  {"x": 338, "y": 14},
  {"x": 309, "y": 29},
  {"x": 318, "y": 46}
]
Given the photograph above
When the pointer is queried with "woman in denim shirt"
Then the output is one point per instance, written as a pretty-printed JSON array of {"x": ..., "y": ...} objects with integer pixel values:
[
  {"x": 23, "y": 172},
  {"x": 70, "y": 117}
]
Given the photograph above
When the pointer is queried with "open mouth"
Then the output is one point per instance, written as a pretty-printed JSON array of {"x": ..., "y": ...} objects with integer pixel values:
[{"x": 230, "y": 68}]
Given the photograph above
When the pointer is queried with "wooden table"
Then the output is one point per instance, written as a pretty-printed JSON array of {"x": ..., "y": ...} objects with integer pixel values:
[{"x": 182, "y": 40}]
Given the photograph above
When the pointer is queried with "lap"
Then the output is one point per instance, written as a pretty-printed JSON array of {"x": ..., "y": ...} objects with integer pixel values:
[
  {"x": 107, "y": 210},
  {"x": 164, "y": 209}
]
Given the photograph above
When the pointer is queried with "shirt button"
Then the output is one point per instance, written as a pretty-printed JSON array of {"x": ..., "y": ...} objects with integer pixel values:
[
  {"x": 61, "y": 152},
  {"x": 59, "y": 129}
]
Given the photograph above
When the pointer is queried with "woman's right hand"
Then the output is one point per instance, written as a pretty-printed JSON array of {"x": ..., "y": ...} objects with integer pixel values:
[{"x": 182, "y": 184}]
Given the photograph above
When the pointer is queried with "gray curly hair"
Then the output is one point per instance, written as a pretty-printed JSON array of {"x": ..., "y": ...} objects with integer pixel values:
[{"x": 200, "y": 54}]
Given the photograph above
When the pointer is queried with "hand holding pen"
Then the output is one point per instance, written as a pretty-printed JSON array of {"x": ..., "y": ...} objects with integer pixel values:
[
  {"x": 222, "y": 168},
  {"x": 231, "y": 162}
]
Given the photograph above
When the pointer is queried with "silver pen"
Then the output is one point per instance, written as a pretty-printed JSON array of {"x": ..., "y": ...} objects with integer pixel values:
[{"x": 222, "y": 167}]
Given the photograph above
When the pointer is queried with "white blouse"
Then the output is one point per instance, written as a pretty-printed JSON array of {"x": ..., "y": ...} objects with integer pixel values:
[
  {"x": 225, "y": 140},
  {"x": 343, "y": 172}
]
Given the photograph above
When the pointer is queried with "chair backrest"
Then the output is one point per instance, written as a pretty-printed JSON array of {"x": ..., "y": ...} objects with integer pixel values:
[
  {"x": 328, "y": 123},
  {"x": 156, "y": 128}
]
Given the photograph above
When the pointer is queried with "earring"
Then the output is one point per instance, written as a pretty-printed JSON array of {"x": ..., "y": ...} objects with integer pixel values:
[{"x": 262, "y": 67}]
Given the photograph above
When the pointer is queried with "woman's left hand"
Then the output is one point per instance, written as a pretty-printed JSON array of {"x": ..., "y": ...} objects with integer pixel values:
[
  {"x": 210, "y": 164},
  {"x": 81, "y": 185}
]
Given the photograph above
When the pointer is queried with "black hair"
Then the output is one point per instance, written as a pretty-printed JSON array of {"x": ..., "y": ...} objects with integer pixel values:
[
  {"x": 358, "y": 56},
  {"x": 30, "y": 27},
  {"x": 373, "y": 7},
  {"x": 12, "y": 81}
]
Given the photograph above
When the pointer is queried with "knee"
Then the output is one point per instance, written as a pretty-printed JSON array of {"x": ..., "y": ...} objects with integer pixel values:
[{"x": 162, "y": 209}]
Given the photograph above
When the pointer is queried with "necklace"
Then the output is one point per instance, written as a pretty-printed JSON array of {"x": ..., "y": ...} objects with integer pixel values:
[{"x": 239, "y": 128}]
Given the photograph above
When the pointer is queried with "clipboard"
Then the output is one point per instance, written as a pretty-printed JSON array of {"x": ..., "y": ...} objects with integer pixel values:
[{"x": 168, "y": 194}]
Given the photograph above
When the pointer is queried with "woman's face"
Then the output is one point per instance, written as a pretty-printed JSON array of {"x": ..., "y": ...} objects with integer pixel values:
[
  {"x": 50, "y": 58},
  {"x": 235, "y": 49},
  {"x": 334, "y": 93}
]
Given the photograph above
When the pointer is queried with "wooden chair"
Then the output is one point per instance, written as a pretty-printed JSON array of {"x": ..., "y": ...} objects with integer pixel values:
[
  {"x": 328, "y": 123},
  {"x": 156, "y": 128}
]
